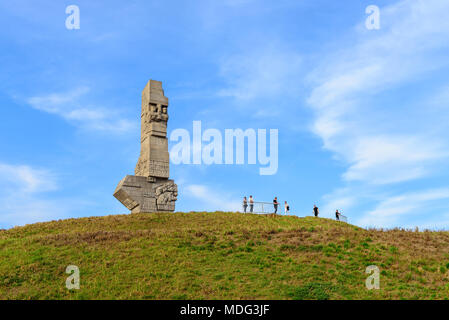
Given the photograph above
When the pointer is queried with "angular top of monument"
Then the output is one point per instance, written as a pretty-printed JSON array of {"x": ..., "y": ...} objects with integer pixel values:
[{"x": 153, "y": 93}]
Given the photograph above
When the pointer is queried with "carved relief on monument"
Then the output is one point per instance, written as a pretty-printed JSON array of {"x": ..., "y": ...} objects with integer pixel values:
[
  {"x": 142, "y": 167},
  {"x": 159, "y": 168},
  {"x": 158, "y": 112},
  {"x": 166, "y": 195},
  {"x": 159, "y": 141}
]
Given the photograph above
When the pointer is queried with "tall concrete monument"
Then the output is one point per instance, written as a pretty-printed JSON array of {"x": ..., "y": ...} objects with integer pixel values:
[{"x": 150, "y": 190}]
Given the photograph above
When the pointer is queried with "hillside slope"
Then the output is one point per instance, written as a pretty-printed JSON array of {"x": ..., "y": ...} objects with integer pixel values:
[{"x": 219, "y": 256}]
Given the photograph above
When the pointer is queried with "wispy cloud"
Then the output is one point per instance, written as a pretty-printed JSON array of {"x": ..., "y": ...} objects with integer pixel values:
[
  {"x": 69, "y": 106},
  {"x": 341, "y": 199},
  {"x": 388, "y": 212},
  {"x": 25, "y": 179},
  {"x": 384, "y": 159},
  {"x": 350, "y": 124},
  {"x": 22, "y": 199},
  {"x": 210, "y": 199},
  {"x": 380, "y": 145}
]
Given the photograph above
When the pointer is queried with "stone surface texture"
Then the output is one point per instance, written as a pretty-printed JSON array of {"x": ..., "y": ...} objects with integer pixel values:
[{"x": 150, "y": 190}]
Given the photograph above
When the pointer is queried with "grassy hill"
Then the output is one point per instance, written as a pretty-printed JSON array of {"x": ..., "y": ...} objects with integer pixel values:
[{"x": 219, "y": 256}]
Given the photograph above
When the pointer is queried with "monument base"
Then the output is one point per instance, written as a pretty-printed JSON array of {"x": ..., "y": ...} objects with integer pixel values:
[{"x": 142, "y": 194}]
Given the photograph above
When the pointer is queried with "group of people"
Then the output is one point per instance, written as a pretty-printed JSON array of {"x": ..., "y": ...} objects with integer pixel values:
[
  {"x": 275, "y": 205},
  {"x": 316, "y": 211},
  {"x": 251, "y": 204}
]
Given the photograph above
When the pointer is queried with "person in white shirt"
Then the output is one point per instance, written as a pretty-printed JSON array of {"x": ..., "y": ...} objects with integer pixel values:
[
  {"x": 251, "y": 204},
  {"x": 287, "y": 207}
]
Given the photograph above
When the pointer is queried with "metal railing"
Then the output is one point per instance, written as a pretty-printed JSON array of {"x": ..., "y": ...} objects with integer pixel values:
[{"x": 263, "y": 208}]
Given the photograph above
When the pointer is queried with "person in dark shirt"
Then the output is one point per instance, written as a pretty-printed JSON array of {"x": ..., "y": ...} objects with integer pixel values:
[
  {"x": 275, "y": 204},
  {"x": 315, "y": 210},
  {"x": 337, "y": 215}
]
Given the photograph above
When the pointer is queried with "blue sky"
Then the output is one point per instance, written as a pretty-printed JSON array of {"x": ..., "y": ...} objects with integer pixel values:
[{"x": 362, "y": 114}]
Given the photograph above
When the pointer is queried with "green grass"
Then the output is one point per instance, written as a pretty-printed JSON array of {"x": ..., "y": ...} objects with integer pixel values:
[{"x": 219, "y": 256}]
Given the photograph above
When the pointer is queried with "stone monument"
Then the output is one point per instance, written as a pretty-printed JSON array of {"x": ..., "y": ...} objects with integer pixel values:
[{"x": 150, "y": 190}]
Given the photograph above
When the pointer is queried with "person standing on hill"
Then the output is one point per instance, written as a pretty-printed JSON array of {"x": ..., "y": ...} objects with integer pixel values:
[
  {"x": 275, "y": 204},
  {"x": 337, "y": 215},
  {"x": 245, "y": 204},
  {"x": 251, "y": 204},
  {"x": 287, "y": 207},
  {"x": 315, "y": 210}
]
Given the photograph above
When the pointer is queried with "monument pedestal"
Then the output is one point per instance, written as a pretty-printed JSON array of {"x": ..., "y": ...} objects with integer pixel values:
[{"x": 139, "y": 194}]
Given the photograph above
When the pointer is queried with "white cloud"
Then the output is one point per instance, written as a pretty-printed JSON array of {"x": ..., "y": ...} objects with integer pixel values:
[
  {"x": 383, "y": 145},
  {"x": 58, "y": 103},
  {"x": 22, "y": 199},
  {"x": 380, "y": 145},
  {"x": 25, "y": 179},
  {"x": 22, "y": 209},
  {"x": 389, "y": 211},
  {"x": 210, "y": 199},
  {"x": 373, "y": 156},
  {"x": 69, "y": 106},
  {"x": 341, "y": 200}
]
